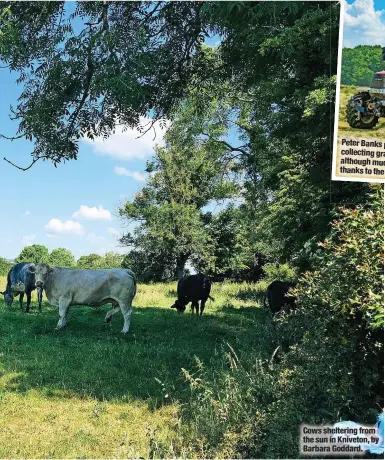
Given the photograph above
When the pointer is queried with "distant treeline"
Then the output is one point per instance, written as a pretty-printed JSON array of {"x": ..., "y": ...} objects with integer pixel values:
[
  {"x": 62, "y": 257},
  {"x": 360, "y": 63}
]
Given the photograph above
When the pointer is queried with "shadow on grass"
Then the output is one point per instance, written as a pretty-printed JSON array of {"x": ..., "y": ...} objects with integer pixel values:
[
  {"x": 91, "y": 359},
  {"x": 250, "y": 293}
]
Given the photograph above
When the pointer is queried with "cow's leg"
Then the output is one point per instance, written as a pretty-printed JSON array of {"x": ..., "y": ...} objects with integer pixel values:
[
  {"x": 203, "y": 303},
  {"x": 63, "y": 311},
  {"x": 109, "y": 314},
  {"x": 192, "y": 307},
  {"x": 28, "y": 301},
  {"x": 196, "y": 305},
  {"x": 21, "y": 300},
  {"x": 39, "y": 298},
  {"x": 126, "y": 312}
]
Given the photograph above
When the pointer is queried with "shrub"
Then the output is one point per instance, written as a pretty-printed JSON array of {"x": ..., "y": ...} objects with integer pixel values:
[
  {"x": 333, "y": 368},
  {"x": 280, "y": 272},
  {"x": 5, "y": 266}
]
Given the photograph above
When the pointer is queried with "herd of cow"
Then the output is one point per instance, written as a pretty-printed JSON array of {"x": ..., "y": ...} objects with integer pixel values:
[{"x": 66, "y": 286}]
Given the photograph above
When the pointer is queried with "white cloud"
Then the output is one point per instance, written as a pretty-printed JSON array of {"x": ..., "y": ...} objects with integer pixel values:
[
  {"x": 363, "y": 25},
  {"x": 67, "y": 226},
  {"x": 94, "y": 239},
  {"x": 95, "y": 213},
  {"x": 27, "y": 213},
  {"x": 27, "y": 239},
  {"x": 128, "y": 145},
  {"x": 120, "y": 171},
  {"x": 113, "y": 231}
]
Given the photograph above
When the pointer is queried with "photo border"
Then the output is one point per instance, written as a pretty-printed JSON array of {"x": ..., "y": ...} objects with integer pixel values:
[{"x": 337, "y": 106}]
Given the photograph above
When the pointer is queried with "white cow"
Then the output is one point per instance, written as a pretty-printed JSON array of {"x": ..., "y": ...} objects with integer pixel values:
[{"x": 67, "y": 286}]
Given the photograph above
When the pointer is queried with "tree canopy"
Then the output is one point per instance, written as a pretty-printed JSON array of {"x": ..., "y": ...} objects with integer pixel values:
[
  {"x": 359, "y": 64},
  {"x": 62, "y": 257},
  {"x": 261, "y": 101},
  {"x": 110, "y": 63},
  {"x": 36, "y": 253}
]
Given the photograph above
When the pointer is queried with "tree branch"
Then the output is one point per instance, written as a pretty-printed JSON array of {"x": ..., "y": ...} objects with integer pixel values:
[
  {"x": 90, "y": 68},
  {"x": 148, "y": 129},
  {"x": 150, "y": 14},
  {"x": 12, "y": 138},
  {"x": 89, "y": 75},
  {"x": 226, "y": 144},
  {"x": 24, "y": 169},
  {"x": 103, "y": 17}
]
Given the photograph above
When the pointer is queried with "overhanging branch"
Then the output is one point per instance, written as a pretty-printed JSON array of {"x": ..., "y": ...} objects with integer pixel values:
[
  {"x": 226, "y": 144},
  {"x": 13, "y": 138},
  {"x": 28, "y": 167}
]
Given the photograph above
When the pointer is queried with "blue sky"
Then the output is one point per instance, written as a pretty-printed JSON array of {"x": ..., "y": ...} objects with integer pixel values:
[
  {"x": 364, "y": 23},
  {"x": 81, "y": 196},
  {"x": 74, "y": 205}
]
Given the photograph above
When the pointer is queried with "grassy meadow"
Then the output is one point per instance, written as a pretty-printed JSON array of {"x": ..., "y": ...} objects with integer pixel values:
[
  {"x": 86, "y": 391},
  {"x": 378, "y": 132}
]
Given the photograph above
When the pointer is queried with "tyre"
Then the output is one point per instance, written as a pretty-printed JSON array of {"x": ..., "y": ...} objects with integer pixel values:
[{"x": 363, "y": 122}]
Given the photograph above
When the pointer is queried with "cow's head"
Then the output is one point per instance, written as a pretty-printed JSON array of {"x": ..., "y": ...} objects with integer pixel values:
[
  {"x": 41, "y": 272},
  {"x": 8, "y": 298},
  {"x": 179, "y": 305}
]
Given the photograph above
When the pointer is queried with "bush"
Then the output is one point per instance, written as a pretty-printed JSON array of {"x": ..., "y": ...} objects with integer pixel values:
[
  {"x": 279, "y": 272},
  {"x": 5, "y": 266},
  {"x": 333, "y": 368}
]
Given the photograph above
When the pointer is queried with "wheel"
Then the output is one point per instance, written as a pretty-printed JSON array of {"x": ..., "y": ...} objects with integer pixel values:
[{"x": 363, "y": 122}]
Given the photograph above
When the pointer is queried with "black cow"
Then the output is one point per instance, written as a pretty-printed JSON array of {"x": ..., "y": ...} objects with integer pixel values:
[
  {"x": 21, "y": 281},
  {"x": 276, "y": 295},
  {"x": 193, "y": 288}
]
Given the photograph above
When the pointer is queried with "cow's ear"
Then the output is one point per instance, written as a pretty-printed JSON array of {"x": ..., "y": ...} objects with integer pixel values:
[
  {"x": 32, "y": 268},
  {"x": 173, "y": 306}
]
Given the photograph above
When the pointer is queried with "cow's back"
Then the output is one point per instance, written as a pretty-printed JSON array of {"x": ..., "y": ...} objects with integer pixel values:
[
  {"x": 19, "y": 274},
  {"x": 194, "y": 287},
  {"x": 90, "y": 287}
]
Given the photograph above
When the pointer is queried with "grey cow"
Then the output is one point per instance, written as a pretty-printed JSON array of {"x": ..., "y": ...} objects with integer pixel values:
[
  {"x": 66, "y": 286},
  {"x": 21, "y": 281}
]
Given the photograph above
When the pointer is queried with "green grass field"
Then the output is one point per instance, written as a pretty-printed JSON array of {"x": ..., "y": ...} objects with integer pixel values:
[
  {"x": 378, "y": 132},
  {"x": 86, "y": 391}
]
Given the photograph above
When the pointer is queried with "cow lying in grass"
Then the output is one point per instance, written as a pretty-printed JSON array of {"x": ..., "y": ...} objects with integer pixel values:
[
  {"x": 193, "y": 288},
  {"x": 66, "y": 286},
  {"x": 21, "y": 281}
]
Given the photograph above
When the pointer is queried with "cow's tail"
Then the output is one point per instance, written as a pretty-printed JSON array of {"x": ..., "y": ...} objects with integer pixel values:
[
  {"x": 211, "y": 298},
  {"x": 133, "y": 276}
]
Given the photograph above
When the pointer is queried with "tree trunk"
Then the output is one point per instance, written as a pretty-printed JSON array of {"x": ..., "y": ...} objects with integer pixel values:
[{"x": 180, "y": 264}]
